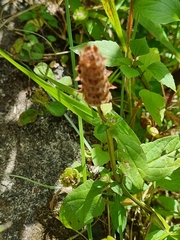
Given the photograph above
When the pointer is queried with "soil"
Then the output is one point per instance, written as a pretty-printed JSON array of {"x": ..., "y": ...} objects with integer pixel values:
[{"x": 39, "y": 151}]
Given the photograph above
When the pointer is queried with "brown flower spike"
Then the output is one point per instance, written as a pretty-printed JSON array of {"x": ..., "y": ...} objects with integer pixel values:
[{"x": 94, "y": 77}]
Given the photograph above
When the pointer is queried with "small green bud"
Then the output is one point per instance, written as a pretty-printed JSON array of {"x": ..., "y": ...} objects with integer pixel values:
[
  {"x": 70, "y": 177},
  {"x": 80, "y": 14},
  {"x": 153, "y": 131}
]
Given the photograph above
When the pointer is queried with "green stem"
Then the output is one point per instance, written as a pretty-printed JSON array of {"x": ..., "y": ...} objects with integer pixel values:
[
  {"x": 76, "y": 129},
  {"x": 122, "y": 97},
  {"x": 156, "y": 217},
  {"x": 32, "y": 181},
  {"x": 80, "y": 123},
  {"x": 83, "y": 159},
  {"x": 89, "y": 230},
  {"x": 73, "y": 62},
  {"x": 112, "y": 155},
  {"x": 110, "y": 148}
]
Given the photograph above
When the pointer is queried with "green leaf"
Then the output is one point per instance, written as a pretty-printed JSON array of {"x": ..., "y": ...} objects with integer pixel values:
[
  {"x": 37, "y": 51},
  {"x": 152, "y": 56},
  {"x": 109, "y": 50},
  {"x": 99, "y": 156},
  {"x": 52, "y": 21},
  {"x": 26, "y": 16},
  {"x": 100, "y": 132},
  {"x": 51, "y": 38},
  {"x": 166, "y": 206},
  {"x": 106, "y": 108},
  {"x": 162, "y": 74},
  {"x": 66, "y": 80},
  {"x": 155, "y": 105},
  {"x": 139, "y": 47},
  {"x": 170, "y": 183},
  {"x": 129, "y": 72},
  {"x": 161, "y": 11},
  {"x": 158, "y": 32},
  {"x": 82, "y": 205},
  {"x": 43, "y": 70},
  {"x": 32, "y": 39},
  {"x": 56, "y": 108},
  {"x": 175, "y": 232},
  {"x": 94, "y": 28},
  {"x": 29, "y": 116},
  {"x": 130, "y": 156},
  {"x": 102, "y": 128},
  {"x": 118, "y": 215},
  {"x": 24, "y": 55},
  {"x": 157, "y": 235},
  {"x": 17, "y": 46},
  {"x": 162, "y": 158},
  {"x": 74, "y": 4},
  {"x": 30, "y": 27},
  {"x": 115, "y": 187}
]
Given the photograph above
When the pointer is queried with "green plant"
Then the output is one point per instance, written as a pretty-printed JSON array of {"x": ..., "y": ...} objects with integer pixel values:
[{"x": 136, "y": 170}]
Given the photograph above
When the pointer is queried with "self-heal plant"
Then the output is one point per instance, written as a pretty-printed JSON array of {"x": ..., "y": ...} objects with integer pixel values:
[
  {"x": 130, "y": 173},
  {"x": 128, "y": 162}
]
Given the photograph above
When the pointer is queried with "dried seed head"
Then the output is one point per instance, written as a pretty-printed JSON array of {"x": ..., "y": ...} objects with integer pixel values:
[{"x": 94, "y": 77}]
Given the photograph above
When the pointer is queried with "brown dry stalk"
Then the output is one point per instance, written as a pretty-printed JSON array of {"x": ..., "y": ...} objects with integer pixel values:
[{"x": 93, "y": 75}]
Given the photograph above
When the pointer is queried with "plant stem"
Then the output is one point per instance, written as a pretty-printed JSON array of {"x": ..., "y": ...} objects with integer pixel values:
[
  {"x": 76, "y": 129},
  {"x": 80, "y": 123},
  {"x": 110, "y": 148},
  {"x": 109, "y": 220},
  {"x": 156, "y": 217},
  {"x": 112, "y": 155},
  {"x": 129, "y": 26},
  {"x": 89, "y": 230},
  {"x": 122, "y": 97},
  {"x": 68, "y": 19},
  {"x": 83, "y": 159}
]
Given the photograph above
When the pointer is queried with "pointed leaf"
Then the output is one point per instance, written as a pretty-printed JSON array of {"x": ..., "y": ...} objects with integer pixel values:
[
  {"x": 43, "y": 70},
  {"x": 99, "y": 157},
  {"x": 28, "y": 116},
  {"x": 129, "y": 72},
  {"x": 162, "y": 74},
  {"x": 162, "y": 158},
  {"x": 157, "y": 235},
  {"x": 158, "y": 32},
  {"x": 130, "y": 156},
  {"x": 154, "y": 103},
  {"x": 171, "y": 183},
  {"x": 161, "y": 11},
  {"x": 139, "y": 47},
  {"x": 152, "y": 56},
  {"x": 82, "y": 205},
  {"x": 118, "y": 215},
  {"x": 56, "y": 108}
]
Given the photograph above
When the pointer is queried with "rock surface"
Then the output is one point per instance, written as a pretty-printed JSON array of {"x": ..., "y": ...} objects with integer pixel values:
[{"x": 38, "y": 151}]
